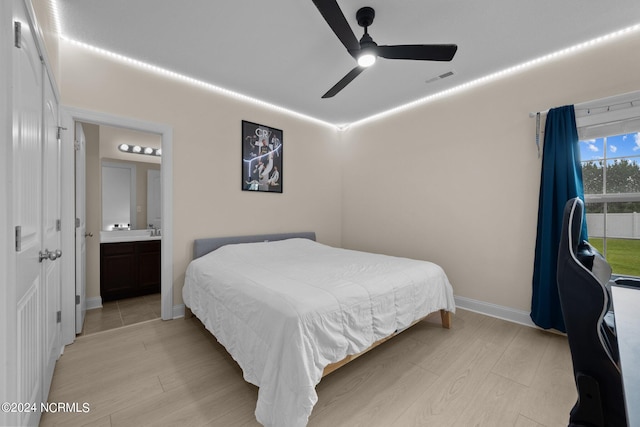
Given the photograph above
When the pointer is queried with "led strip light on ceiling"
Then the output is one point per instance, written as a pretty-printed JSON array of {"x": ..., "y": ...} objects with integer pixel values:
[
  {"x": 186, "y": 79},
  {"x": 471, "y": 84},
  {"x": 503, "y": 73}
]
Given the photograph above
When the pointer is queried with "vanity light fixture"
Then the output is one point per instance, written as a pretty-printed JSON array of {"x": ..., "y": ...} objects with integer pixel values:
[{"x": 137, "y": 149}]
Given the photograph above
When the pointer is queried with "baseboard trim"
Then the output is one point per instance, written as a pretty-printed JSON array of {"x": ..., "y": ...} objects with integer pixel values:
[
  {"x": 494, "y": 310},
  {"x": 499, "y": 311},
  {"x": 482, "y": 307},
  {"x": 178, "y": 311},
  {"x": 93, "y": 303},
  {"x": 486, "y": 308}
]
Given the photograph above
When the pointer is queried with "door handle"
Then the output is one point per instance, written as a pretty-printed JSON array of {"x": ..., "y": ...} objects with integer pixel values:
[
  {"x": 88, "y": 234},
  {"x": 50, "y": 255}
]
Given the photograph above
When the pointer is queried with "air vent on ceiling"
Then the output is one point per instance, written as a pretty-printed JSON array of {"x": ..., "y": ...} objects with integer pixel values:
[{"x": 440, "y": 77}]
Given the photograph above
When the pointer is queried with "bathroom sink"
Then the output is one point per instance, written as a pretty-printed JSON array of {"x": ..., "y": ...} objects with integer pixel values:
[{"x": 126, "y": 236}]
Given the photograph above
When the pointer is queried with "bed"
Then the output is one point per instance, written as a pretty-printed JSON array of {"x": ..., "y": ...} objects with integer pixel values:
[{"x": 290, "y": 310}]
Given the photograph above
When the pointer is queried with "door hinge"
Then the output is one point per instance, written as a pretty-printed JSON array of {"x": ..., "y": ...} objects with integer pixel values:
[
  {"x": 76, "y": 145},
  {"x": 59, "y": 316},
  {"x": 58, "y": 224},
  {"x": 77, "y": 222},
  {"x": 18, "y": 238},
  {"x": 60, "y": 128},
  {"x": 17, "y": 34},
  {"x": 77, "y": 299}
]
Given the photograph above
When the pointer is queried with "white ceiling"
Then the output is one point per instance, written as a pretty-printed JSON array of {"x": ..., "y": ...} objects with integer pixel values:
[{"x": 284, "y": 53}]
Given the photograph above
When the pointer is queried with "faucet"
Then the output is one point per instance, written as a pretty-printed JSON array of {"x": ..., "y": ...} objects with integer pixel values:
[{"x": 155, "y": 231}]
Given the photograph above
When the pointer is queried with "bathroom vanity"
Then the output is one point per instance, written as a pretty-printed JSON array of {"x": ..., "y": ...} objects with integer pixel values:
[{"x": 130, "y": 264}]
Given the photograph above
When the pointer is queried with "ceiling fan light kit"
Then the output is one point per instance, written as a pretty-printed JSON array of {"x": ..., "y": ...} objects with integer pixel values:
[
  {"x": 366, "y": 50},
  {"x": 366, "y": 59}
]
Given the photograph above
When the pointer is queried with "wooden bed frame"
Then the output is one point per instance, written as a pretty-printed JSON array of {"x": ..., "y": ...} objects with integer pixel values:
[
  {"x": 204, "y": 246},
  {"x": 446, "y": 323}
]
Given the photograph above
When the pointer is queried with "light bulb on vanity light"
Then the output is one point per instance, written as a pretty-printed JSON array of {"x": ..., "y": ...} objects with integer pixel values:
[{"x": 139, "y": 149}]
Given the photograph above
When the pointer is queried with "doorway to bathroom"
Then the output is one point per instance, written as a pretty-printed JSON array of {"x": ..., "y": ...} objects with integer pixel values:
[{"x": 118, "y": 182}]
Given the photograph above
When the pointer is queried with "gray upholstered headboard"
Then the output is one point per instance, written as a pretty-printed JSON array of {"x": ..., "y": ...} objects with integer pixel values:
[{"x": 204, "y": 246}]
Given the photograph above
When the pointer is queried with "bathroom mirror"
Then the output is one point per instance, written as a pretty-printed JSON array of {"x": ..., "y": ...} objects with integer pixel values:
[
  {"x": 118, "y": 196},
  {"x": 130, "y": 195}
]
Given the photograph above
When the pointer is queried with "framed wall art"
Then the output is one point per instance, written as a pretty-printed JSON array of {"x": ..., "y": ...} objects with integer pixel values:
[{"x": 261, "y": 158}]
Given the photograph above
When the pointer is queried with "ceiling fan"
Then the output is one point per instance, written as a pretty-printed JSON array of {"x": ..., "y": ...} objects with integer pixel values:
[{"x": 366, "y": 50}]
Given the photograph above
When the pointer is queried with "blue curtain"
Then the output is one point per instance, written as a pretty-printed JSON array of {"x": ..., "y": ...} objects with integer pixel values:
[{"x": 561, "y": 180}]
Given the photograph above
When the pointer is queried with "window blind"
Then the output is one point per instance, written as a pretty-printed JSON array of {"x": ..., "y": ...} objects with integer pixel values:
[{"x": 615, "y": 115}]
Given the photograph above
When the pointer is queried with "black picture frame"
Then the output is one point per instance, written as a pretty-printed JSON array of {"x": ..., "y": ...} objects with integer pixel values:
[{"x": 262, "y": 149}]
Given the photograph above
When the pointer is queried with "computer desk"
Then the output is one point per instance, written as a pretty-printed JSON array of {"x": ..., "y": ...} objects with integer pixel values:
[{"x": 626, "y": 306}]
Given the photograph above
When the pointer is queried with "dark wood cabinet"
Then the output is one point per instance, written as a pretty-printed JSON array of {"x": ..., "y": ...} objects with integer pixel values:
[{"x": 129, "y": 269}]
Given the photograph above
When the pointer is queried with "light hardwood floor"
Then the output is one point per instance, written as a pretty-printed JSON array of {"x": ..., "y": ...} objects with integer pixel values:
[{"x": 482, "y": 372}]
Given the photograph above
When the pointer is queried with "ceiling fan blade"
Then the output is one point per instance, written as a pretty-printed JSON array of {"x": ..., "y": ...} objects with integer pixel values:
[
  {"x": 343, "y": 82},
  {"x": 424, "y": 52},
  {"x": 338, "y": 23}
]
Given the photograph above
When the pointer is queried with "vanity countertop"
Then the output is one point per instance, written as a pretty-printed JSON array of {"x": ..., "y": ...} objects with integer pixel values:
[{"x": 127, "y": 236}]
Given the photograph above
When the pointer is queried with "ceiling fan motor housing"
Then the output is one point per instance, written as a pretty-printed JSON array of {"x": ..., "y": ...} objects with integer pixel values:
[{"x": 365, "y": 16}]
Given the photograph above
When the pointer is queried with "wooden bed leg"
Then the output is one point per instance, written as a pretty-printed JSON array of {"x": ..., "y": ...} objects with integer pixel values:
[
  {"x": 188, "y": 314},
  {"x": 446, "y": 318}
]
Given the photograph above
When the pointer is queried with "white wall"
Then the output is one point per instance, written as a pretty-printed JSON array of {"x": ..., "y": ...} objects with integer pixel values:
[
  {"x": 456, "y": 181},
  {"x": 207, "y": 195}
]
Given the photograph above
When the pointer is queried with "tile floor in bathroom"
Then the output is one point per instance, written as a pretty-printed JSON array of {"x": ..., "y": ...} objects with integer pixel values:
[{"x": 115, "y": 314}]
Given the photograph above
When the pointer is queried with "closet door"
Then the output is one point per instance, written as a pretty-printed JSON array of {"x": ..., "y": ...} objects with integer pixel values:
[
  {"x": 27, "y": 213},
  {"x": 51, "y": 227},
  {"x": 35, "y": 337}
]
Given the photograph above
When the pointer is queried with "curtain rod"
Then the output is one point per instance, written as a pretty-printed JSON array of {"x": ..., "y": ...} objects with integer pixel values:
[
  {"x": 532, "y": 115},
  {"x": 584, "y": 106}
]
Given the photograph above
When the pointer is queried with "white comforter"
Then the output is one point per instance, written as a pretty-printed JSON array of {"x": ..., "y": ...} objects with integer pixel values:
[{"x": 286, "y": 309}]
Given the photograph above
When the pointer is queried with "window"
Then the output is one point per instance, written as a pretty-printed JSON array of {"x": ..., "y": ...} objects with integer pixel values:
[
  {"x": 611, "y": 177},
  {"x": 609, "y": 133}
]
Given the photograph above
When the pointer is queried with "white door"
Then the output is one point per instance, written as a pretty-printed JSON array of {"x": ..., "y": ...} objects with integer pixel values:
[
  {"x": 81, "y": 227},
  {"x": 36, "y": 207},
  {"x": 27, "y": 214},
  {"x": 51, "y": 226}
]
